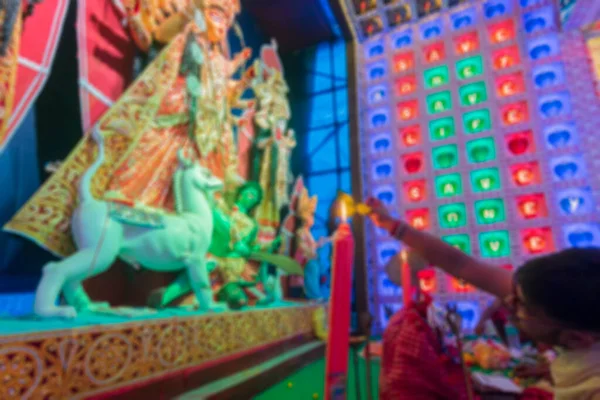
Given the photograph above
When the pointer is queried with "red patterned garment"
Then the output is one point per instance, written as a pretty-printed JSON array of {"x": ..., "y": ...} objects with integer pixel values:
[{"x": 414, "y": 365}]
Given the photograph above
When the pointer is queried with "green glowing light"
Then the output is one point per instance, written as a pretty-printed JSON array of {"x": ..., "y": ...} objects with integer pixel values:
[
  {"x": 461, "y": 242},
  {"x": 485, "y": 180},
  {"x": 440, "y": 129},
  {"x": 436, "y": 77},
  {"x": 452, "y": 215},
  {"x": 472, "y": 94},
  {"x": 477, "y": 121},
  {"x": 445, "y": 156},
  {"x": 469, "y": 67},
  {"x": 494, "y": 244},
  {"x": 448, "y": 185},
  {"x": 439, "y": 102},
  {"x": 481, "y": 150},
  {"x": 490, "y": 211}
]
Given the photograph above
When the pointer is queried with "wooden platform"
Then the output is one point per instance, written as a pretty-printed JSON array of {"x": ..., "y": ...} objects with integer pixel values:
[{"x": 125, "y": 360}]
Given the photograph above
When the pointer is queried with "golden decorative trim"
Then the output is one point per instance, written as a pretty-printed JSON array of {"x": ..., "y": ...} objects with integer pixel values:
[
  {"x": 8, "y": 75},
  {"x": 75, "y": 364}
]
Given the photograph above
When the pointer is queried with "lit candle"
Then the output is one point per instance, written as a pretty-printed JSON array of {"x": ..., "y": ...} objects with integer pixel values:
[
  {"x": 406, "y": 278},
  {"x": 339, "y": 310}
]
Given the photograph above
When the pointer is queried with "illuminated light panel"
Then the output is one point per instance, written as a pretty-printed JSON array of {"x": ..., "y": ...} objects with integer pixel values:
[
  {"x": 436, "y": 77},
  {"x": 575, "y": 201},
  {"x": 460, "y": 286},
  {"x": 520, "y": 143},
  {"x": 448, "y": 185},
  {"x": 440, "y": 129},
  {"x": 404, "y": 62},
  {"x": 515, "y": 113},
  {"x": 510, "y": 85},
  {"x": 406, "y": 85},
  {"x": 537, "y": 240},
  {"x": 494, "y": 244},
  {"x": 461, "y": 242},
  {"x": 485, "y": 180},
  {"x": 467, "y": 43},
  {"x": 408, "y": 110},
  {"x": 427, "y": 280},
  {"x": 472, "y": 94},
  {"x": 445, "y": 156},
  {"x": 413, "y": 163},
  {"x": 560, "y": 136},
  {"x": 526, "y": 174},
  {"x": 468, "y": 68},
  {"x": 481, "y": 150},
  {"x": 501, "y": 32},
  {"x": 415, "y": 191},
  {"x": 434, "y": 52},
  {"x": 418, "y": 219},
  {"x": 508, "y": 267},
  {"x": 452, "y": 216},
  {"x": 439, "y": 102},
  {"x": 477, "y": 121},
  {"x": 410, "y": 135},
  {"x": 531, "y": 206},
  {"x": 506, "y": 57},
  {"x": 490, "y": 211}
]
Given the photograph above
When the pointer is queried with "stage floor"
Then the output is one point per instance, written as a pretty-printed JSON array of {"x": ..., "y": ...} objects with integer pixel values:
[{"x": 309, "y": 382}]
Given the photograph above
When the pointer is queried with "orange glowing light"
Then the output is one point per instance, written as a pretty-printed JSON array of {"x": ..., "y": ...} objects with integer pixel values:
[
  {"x": 415, "y": 191},
  {"x": 404, "y": 61},
  {"x": 513, "y": 114},
  {"x": 466, "y": 43},
  {"x": 427, "y": 281},
  {"x": 418, "y": 219},
  {"x": 510, "y": 85},
  {"x": 434, "y": 52},
  {"x": 525, "y": 174},
  {"x": 411, "y": 135},
  {"x": 406, "y": 85},
  {"x": 460, "y": 286},
  {"x": 506, "y": 57},
  {"x": 532, "y": 206},
  {"x": 407, "y": 110},
  {"x": 502, "y": 32},
  {"x": 537, "y": 240}
]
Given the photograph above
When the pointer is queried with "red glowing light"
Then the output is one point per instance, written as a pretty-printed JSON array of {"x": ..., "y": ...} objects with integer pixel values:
[
  {"x": 460, "y": 286},
  {"x": 403, "y": 62},
  {"x": 526, "y": 174},
  {"x": 415, "y": 190},
  {"x": 466, "y": 43},
  {"x": 537, "y": 240},
  {"x": 510, "y": 85},
  {"x": 506, "y": 57},
  {"x": 427, "y": 280},
  {"x": 418, "y": 219},
  {"x": 515, "y": 113},
  {"x": 408, "y": 110},
  {"x": 406, "y": 85},
  {"x": 411, "y": 135},
  {"x": 434, "y": 52},
  {"x": 501, "y": 32},
  {"x": 413, "y": 163},
  {"x": 532, "y": 206},
  {"x": 520, "y": 143}
]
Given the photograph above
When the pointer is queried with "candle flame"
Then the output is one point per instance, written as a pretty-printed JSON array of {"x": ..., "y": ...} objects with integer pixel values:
[
  {"x": 404, "y": 256},
  {"x": 343, "y": 211}
]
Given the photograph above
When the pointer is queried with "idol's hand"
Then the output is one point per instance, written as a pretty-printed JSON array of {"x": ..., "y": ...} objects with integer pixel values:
[{"x": 380, "y": 215}]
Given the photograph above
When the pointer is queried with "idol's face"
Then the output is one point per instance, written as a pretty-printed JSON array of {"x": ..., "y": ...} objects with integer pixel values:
[{"x": 218, "y": 22}]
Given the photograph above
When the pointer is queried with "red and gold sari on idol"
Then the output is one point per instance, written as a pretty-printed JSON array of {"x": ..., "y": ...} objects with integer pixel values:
[{"x": 142, "y": 133}]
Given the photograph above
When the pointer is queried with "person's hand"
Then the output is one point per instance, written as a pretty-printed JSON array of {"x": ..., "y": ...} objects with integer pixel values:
[{"x": 379, "y": 214}]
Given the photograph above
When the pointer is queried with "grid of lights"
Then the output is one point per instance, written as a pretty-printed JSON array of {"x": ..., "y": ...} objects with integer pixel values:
[{"x": 459, "y": 145}]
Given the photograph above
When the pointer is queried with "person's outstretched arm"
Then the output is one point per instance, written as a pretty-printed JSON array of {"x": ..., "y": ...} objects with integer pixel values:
[{"x": 486, "y": 277}]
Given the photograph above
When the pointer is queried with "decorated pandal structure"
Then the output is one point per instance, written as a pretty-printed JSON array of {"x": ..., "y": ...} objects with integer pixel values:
[{"x": 185, "y": 175}]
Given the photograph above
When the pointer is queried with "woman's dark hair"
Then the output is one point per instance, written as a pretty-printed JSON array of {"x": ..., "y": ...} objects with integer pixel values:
[
  {"x": 251, "y": 185},
  {"x": 566, "y": 286}
]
